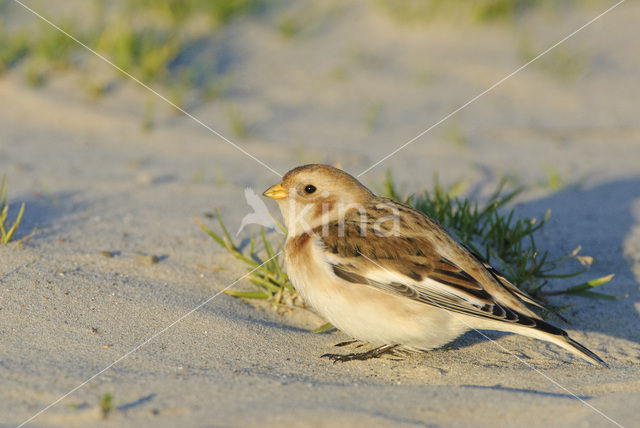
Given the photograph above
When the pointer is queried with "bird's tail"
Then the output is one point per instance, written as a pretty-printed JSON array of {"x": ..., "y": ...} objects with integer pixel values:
[
  {"x": 582, "y": 351},
  {"x": 545, "y": 331}
]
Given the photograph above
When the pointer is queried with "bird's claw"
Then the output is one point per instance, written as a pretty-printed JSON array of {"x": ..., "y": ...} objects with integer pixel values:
[
  {"x": 338, "y": 358},
  {"x": 345, "y": 343},
  {"x": 374, "y": 353}
]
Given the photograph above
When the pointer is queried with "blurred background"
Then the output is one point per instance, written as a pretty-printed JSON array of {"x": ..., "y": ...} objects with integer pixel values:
[{"x": 359, "y": 78}]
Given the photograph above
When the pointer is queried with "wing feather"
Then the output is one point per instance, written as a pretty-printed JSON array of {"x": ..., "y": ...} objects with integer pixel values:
[{"x": 409, "y": 265}]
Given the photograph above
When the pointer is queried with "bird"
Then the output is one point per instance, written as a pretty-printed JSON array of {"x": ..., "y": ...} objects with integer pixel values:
[
  {"x": 260, "y": 214},
  {"x": 389, "y": 275}
]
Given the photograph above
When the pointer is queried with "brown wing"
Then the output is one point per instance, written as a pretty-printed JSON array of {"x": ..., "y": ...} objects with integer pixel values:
[
  {"x": 409, "y": 264},
  {"x": 510, "y": 287}
]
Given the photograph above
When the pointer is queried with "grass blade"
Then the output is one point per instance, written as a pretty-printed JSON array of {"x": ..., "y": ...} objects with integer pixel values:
[
  {"x": 324, "y": 327},
  {"x": 594, "y": 295},
  {"x": 6, "y": 236},
  {"x": 248, "y": 294},
  {"x": 209, "y": 232},
  {"x": 9, "y": 234},
  {"x": 226, "y": 232},
  {"x": 591, "y": 284},
  {"x": 270, "y": 254}
]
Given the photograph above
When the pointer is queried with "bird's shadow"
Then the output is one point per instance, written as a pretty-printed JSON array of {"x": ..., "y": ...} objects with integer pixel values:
[{"x": 242, "y": 312}]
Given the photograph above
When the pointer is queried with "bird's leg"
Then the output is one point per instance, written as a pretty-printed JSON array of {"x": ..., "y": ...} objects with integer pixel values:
[
  {"x": 345, "y": 343},
  {"x": 374, "y": 353}
]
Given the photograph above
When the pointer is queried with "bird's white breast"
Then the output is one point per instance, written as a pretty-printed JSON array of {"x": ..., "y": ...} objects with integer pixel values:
[{"x": 363, "y": 312}]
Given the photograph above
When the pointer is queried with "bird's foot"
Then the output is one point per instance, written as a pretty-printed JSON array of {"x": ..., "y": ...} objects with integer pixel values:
[
  {"x": 374, "y": 353},
  {"x": 347, "y": 342}
]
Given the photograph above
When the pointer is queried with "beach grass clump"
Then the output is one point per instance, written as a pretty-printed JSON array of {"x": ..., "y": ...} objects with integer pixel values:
[
  {"x": 52, "y": 46},
  {"x": 266, "y": 272},
  {"x": 562, "y": 63},
  {"x": 13, "y": 47},
  {"x": 491, "y": 230},
  {"x": 481, "y": 11},
  {"x": 156, "y": 41},
  {"x": 176, "y": 12},
  {"x": 106, "y": 405},
  {"x": 372, "y": 115},
  {"x": 144, "y": 52},
  {"x": 238, "y": 123},
  {"x": 151, "y": 39},
  {"x": 494, "y": 233},
  {"x": 7, "y": 229},
  {"x": 289, "y": 27}
]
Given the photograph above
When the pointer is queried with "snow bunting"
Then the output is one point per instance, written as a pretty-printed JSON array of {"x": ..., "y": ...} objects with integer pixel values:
[{"x": 389, "y": 275}]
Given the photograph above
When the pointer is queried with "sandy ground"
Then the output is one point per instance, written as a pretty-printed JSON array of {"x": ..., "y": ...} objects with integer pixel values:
[{"x": 94, "y": 181}]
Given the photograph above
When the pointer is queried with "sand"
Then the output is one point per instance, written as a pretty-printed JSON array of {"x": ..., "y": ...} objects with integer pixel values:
[{"x": 93, "y": 181}]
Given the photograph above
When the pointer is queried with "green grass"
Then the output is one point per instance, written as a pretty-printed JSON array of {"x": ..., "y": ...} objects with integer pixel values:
[
  {"x": 562, "y": 63},
  {"x": 106, "y": 405},
  {"x": 35, "y": 72},
  {"x": 490, "y": 229},
  {"x": 151, "y": 39},
  {"x": 237, "y": 123},
  {"x": 487, "y": 12},
  {"x": 481, "y": 11},
  {"x": 13, "y": 47},
  {"x": 493, "y": 232},
  {"x": 7, "y": 230},
  {"x": 554, "y": 180},
  {"x": 52, "y": 46},
  {"x": 289, "y": 27},
  {"x": 267, "y": 273},
  {"x": 372, "y": 115},
  {"x": 454, "y": 135}
]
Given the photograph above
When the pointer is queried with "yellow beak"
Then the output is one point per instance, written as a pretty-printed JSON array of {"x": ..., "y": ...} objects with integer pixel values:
[{"x": 276, "y": 192}]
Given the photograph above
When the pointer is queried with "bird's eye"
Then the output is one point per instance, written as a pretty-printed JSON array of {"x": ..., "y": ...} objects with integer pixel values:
[{"x": 310, "y": 189}]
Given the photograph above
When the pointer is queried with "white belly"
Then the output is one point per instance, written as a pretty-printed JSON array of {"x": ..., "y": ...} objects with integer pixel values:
[{"x": 368, "y": 314}]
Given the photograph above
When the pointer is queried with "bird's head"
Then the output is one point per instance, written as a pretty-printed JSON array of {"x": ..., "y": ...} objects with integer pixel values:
[{"x": 312, "y": 195}]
